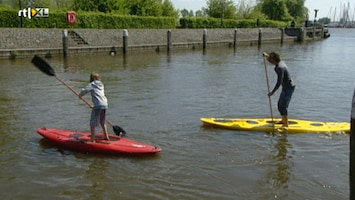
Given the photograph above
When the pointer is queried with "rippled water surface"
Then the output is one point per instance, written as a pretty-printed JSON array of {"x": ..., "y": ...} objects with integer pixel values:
[{"x": 158, "y": 99}]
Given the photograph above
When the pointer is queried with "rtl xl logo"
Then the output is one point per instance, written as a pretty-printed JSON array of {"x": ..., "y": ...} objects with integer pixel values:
[{"x": 34, "y": 12}]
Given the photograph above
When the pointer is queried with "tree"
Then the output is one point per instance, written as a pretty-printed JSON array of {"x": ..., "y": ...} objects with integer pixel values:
[
  {"x": 185, "y": 13},
  {"x": 85, "y": 5},
  {"x": 132, "y": 7},
  {"x": 296, "y": 8},
  {"x": 154, "y": 8},
  {"x": 201, "y": 13},
  {"x": 224, "y": 9},
  {"x": 245, "y": 9},
  {"x": 52, "y": 4},
  {"x": 95, "y": 5},
  {"x": 106, "y": 5},
  {"x": 169, "y": 10},
  {"x": 275, "y": 10},
  {"x": 145, "y": 7},
  {"x": 283, "y": 10},
  {"x": 324, "y": 20}
]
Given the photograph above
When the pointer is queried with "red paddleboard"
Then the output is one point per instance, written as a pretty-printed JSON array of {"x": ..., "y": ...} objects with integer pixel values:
[{"x": 80, "y": 141}]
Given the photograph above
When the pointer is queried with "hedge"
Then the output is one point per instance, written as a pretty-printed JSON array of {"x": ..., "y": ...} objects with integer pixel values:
[
  {"x": 10, "y": 18},
  {"x": 193, "y": 22},
  {"x": 95, "y": 20}
]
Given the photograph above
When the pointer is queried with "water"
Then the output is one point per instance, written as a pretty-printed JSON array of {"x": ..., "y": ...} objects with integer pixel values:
[{"x": 158, "y": 99}]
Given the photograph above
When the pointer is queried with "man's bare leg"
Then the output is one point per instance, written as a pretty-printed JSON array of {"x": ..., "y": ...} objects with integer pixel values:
[{"x": 284, "y": 121}]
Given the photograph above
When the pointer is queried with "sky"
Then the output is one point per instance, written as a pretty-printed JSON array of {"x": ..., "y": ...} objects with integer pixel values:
[{"x": 326, "y": 8}]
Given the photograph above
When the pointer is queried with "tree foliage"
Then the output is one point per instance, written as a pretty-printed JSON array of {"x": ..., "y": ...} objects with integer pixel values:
[
  {"x": 246, "y": 9},
  {"x": 224, "y": 9},
  {"x": 186, "y": 13},
  {"x": 275, "y": 10},
  {"x": 93, "y": 5},
  {"x": 284, "y": 9},
  {"x": 296, "y": 8},
  {"x": 169, "y": 10},
  {"x": 154, "y": 8},
  {"x": 53, "y": 4},
  {"x": 324, "y": 20},
  {"x": 144, "y": 7}
]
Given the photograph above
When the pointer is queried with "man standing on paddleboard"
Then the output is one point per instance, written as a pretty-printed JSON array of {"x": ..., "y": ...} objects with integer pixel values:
[
  {"x": 284, "y": 80},
  {"x": 98, "y": 113}
]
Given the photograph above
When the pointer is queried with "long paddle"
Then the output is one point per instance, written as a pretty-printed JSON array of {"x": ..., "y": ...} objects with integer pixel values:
[
  {"x": 268, "y": 90},
  {"x": 43, "y": 66}
]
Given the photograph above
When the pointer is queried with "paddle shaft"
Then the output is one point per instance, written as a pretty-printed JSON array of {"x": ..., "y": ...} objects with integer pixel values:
[
  {"x": 268, "y": 89},
  {"x": 77, "y": 94}
]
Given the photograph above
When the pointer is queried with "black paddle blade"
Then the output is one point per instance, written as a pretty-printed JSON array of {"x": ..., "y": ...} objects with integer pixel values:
[
  {"x": 42, "y": 65},
  {"x": 119, "y": 131}
]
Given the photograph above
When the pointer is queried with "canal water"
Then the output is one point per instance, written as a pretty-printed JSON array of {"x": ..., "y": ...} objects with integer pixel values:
[{"x": 158, "y": 99}]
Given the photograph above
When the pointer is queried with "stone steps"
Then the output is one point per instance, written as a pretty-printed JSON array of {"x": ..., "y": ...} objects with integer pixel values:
[{"x": 77, "y": 38}]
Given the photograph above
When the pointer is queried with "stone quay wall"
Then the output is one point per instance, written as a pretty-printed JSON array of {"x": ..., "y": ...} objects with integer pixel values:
[{"x": 19, "y": 42}]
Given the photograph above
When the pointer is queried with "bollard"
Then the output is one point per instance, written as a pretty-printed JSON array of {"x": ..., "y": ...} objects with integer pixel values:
[
  {"x": 169, "y": 41},
  {"x": 282, "y": 35},
  {"x": 65, "y": 43},
  {"x": 260, "y": 36},
  {"x": 352, "y": 151},
  {"x": 125, "y": 41},
  {"x": 235, "y": 38},
  {"x": 204, "y": 39},
  {"x": 302, "y": 35},
  {"x": 314, "y": 32},
  {"x": 322, "y": 33}
]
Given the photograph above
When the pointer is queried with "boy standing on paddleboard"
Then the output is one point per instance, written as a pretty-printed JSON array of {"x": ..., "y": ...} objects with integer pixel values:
[
  {"x": 98, "y": 113},
  {"x": 284, "y": 80}
]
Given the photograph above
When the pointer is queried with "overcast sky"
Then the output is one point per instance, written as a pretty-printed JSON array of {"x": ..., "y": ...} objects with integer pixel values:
[{"x": 327, "y": 8}]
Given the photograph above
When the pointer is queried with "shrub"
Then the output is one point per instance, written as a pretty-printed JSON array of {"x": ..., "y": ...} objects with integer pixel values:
[{"x": 10, "y": 18}]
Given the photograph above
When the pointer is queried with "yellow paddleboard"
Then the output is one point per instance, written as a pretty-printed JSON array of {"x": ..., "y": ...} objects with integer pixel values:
[{"x": 269, "y": 125}]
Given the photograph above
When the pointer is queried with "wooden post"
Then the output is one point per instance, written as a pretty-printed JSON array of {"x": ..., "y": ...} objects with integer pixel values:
[
  {"x": 65, "y": 42},
  {"x": 352, "y": 151},
  {"x": 322, "y": 33},
  {"x": 125, "y": 41},
  {"x": 282, "y": 35},
  {"x": 260, "y": 36},
  {"x": 314, "y": 32},
  {"x": 302, "y": 35},
  {"x": 204, "y": 39},
  {"x": 235, "y": 38},
  {"x": 169, "y": 41}
]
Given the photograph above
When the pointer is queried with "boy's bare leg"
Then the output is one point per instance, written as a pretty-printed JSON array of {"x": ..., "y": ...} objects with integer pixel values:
[
  {"x": 104, "y": 129},
  {"x": 92, "y": 130}
]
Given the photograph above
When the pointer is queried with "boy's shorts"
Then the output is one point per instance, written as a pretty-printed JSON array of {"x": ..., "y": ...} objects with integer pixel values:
[{"x": 98, "y": 116}]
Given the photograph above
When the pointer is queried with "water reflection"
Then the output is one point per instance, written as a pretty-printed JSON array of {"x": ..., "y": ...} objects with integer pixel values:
[
  {"x": 97, "y": 174},
  {"x": 281, "y": 163},
  {"x": 124, "y": 61}
]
